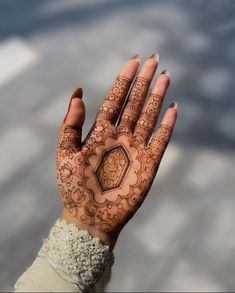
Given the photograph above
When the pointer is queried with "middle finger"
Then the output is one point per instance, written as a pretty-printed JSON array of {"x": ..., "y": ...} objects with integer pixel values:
[{"x": 138, "y": 94}]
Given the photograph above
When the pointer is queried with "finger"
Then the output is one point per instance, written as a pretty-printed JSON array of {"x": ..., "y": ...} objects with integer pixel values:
[
  {"x": 152, "y": 108},
  {"x": 138, "y": 94},
  {"x": 71, "y": 130},
  {"x": 113, "y": 102},
  {"x": 162, "y": 136}
]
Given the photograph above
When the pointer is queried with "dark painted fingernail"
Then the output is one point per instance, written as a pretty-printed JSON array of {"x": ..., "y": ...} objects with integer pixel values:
[
  {"x": 136, "y": 57},
  {"x": 155, "y": 56},
  {"x": 166, "y": 72},
  {"x": 174, "y": 106},
  {"x": 77, "y": 93}
]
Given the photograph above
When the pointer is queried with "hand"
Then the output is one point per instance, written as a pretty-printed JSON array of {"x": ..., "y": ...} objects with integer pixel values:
[{"x": 104, "y": 179}]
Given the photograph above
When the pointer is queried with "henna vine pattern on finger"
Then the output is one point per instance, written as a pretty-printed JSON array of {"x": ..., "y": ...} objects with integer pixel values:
[
  {"x": 70, "y": 140},
  {"x": 68, "y": 146},
  {"x": 160, "y": 141},
  {"x": 111, "y": 106},
  {"x": 162, "y": 136},
  {"x": 148, "y": 119},
  {"x": 135, "y": 103}
]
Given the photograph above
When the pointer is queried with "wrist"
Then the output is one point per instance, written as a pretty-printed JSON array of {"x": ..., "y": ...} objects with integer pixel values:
[{"x": 106, "y": 239}]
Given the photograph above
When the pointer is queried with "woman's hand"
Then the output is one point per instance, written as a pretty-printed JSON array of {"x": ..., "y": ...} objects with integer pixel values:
[{"x": 104, "y": 179}]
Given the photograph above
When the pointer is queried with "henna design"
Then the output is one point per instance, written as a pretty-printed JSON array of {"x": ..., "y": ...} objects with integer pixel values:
[
  {"x": 160, "y": 141},
  {"x": 69, "y": 142},
  {"x": 162, "y": 136},
  {"x": 148, "y": 119},
  {"x": 67, "y": 172},
  {"x": 104, "y": 180},
  {"x": 135, "y": 103},
  {"x": 112, "y": 168},
  {"x": 113, "y": 101}
]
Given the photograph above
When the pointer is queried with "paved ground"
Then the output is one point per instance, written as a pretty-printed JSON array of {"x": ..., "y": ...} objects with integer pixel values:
[{"x": 183, "y": 238}]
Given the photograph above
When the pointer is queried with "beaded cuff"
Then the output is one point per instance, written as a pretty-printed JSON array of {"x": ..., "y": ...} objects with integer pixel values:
[{"x": 84, "y": 258}]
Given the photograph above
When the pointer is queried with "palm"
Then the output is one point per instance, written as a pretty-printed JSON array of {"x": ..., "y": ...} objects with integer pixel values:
[{"x": 105, "y": 181}]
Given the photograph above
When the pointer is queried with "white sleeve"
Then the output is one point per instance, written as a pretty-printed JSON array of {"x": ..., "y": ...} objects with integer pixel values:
[{"x": 70, "y": 260}]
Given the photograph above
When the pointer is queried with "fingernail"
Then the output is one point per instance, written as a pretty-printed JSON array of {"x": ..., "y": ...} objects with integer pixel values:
[
  {"x": 77, "y": 93},
  {"x": 155, "y": 56},
  {"x": 174, "y": 106},
  {"x": 166, "y": 72},
  {"x": 136, "y": 57}
]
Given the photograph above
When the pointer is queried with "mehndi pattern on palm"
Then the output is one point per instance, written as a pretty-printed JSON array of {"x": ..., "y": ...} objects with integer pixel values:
[{"x": 112, "y": 168}]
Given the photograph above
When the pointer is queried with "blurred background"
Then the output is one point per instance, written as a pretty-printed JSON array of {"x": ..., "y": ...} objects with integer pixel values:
[{"x": 183, "y": 237}]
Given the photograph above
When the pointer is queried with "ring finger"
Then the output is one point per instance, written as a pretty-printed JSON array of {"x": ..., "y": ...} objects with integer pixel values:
[{"x": 152, "y": 108}]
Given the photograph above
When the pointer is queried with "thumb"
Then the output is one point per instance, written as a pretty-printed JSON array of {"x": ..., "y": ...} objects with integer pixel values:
[
  {"x": 76, "y": 111},
  {"x": 71, "y": 130}
]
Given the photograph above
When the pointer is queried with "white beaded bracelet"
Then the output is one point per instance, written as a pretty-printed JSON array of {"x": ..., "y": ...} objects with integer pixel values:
[{"x": 84, "y": 258}]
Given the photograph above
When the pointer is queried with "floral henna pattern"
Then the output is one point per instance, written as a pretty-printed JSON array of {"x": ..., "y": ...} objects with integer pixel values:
[
  {"x": 103, "y": 183},
  {"x": 67, "y": 172}
]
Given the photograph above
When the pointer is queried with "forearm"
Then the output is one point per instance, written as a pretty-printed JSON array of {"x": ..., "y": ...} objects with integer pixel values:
[{"x": 70, "y": 260}]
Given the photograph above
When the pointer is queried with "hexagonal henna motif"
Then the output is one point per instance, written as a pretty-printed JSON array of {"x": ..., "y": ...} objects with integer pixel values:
[{"x": 112, "y": 168}]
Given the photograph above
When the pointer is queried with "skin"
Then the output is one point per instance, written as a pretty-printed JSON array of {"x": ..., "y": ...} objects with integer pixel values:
[{"x": 104, "y": 179}]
